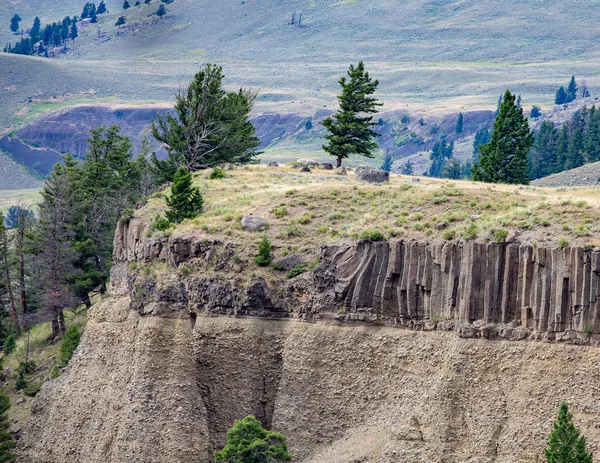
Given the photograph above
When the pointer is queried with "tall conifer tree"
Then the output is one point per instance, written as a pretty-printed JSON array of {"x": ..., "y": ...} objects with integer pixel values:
[
  {"x": 566, "y": 444},
  {"x": 504, "y": 159},
  {"x": 351, "y": 129}
]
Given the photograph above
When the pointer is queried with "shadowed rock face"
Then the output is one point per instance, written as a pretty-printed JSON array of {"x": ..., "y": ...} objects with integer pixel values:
[{"x": 173, "y": 358}]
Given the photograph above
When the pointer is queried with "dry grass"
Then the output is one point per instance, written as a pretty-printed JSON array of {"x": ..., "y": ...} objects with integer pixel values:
[{"x": 307, "y": 210}]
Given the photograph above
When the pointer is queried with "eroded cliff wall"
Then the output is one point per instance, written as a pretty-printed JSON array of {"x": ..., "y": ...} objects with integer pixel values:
[{"x": 191, "y": 340}]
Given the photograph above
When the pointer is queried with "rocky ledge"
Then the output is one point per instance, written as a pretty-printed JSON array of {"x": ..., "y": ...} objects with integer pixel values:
[{"x": 488, "y": 290}]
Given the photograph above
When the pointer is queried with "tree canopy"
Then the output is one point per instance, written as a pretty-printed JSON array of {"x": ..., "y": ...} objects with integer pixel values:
[
  {"x": 211, "y": 126},
  {"x": 249, "y": 442}
]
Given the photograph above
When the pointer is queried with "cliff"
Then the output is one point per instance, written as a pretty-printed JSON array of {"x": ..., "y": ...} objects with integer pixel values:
[{"x": 186, "y": 345}]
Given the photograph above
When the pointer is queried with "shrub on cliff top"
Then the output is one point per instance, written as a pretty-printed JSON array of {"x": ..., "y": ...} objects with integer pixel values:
[
  {"x": 249, "y": 442},
  {"x": 264, "y": 256},
  {"x": 185, "y": 201}
]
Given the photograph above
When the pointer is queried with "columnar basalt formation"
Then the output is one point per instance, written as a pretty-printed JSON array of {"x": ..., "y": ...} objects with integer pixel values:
[{"x": 508, "y": 290}]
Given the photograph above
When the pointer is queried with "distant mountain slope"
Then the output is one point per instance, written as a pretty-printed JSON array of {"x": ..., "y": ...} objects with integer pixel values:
[{"x": 587, "y": 175}]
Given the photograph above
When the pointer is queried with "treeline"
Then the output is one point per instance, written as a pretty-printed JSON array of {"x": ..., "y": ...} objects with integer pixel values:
[
  {"x": 574, "y": 144},
  {"x": 56, "y": 34},
  {"x": 64, "y": 257}
]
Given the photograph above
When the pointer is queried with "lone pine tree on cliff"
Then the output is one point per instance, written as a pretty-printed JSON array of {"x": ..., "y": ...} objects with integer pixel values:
[
  {"x": 566, "y": 444},
  {"x": 351, "y": 127},
  {"x": 505, "y": 158}
]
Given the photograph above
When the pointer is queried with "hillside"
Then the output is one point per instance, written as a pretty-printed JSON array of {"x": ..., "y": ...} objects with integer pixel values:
[
  {"x": 433, "y": 56},
  {"x": 385, "y": 349},
  {"x": 584, "y": 176}
]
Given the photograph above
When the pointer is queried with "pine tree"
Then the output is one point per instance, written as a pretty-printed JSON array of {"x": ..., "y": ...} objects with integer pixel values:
[
  {"x": 120, "y": 21},
  {"x": 504, "y": 159},
  {"x": 571, "y": 90},
  {"x": 93, "y": 13},
  {"x": 185, "y": 201},
  {"x": 544, "y": 152},
  {"x": 248, "y": 442},
  {"x": 14, "y": 23},
  {"x": 499, "y": 104},
  {"x": 407, "y": 168},
  {"x": 6, "y": 274},
  {"x": 566, "y": 444},
  {"x": 440, "y": 154},
  {"x": 563, "y": 148},
  {"x": 592, "y": 144},
  {"x": 36, "y": 29},
  {"x": 519, "y": 102},
  {"x": 459, "y": 124},
  {"x": 535, "y": 112},
  {"x": 6, "y": 442},
  {"x": 264, "y": 256},
  {"x": 161, "y": 11},
  {"x": 482, "y": 137},
  {"x": 74, "y": 31},
  {"x": 387, "y": 162},
  {"x": 101, "y": 8},
  {"x": 561, "y": 96},
  {"x": 351, "y": 128},
  {"x": 211, "y": 126},
  {"x": 126, "y": 5},
  {"x": 453, "y": 169}
]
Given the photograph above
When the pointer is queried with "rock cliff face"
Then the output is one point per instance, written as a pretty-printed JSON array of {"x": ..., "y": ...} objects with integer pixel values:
[
  {"x": 490, "y": 290},
  {"x": 188, "y": 343}
]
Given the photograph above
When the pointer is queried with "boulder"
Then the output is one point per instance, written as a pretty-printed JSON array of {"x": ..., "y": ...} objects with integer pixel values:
[
  {"x": 288, "y": 262},
  {"x": 340, "y": 171},
  {"x": 326, "y": 166},
  {"x": 273, "y": 164},
  {"x": 227, "y": 166},
  {"x": 305, "y": 169},
  {"x": 308, "y": 162},
  {"x": 371, "y": 175},
  {"x": 254, "y": 223}
]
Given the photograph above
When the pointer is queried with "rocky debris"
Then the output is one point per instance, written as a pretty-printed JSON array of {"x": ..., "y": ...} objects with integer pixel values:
[
  {"x": 371, "y": 175},
  {"x": 415, "y": 180},
  {"x": 340, "y": 171},
  {"x": 441, "y": 225},
  {"x": 254, "y": 223},
  {"x": 326, "y": 166},
  {"x": 273, "y": 164},
  {"x": 227, "y": 166}
]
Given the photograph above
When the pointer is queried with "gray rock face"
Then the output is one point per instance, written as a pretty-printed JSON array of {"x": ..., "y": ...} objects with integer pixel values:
[
  {"x": 340, "y": 171},
  {"x": 490, "y": 290},
  {"x": 254, "y": 223},
  {"x": 371, "y": 175},
  {"x": 273, "y": 164}
]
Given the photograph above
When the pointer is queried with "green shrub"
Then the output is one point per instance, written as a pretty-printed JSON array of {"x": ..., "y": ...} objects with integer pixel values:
[
  {"x": 280, "y": 211},
  {"x": 291, "y": 192},
  {"x": 69, "y": 343},
  {"x": 562, "y": 242},
  {"x": 500, "y": 235},
  {"x": 298, "y": 269},
  {"x": 291, "y": 230},
  {"x": 185, "y": 201},
  {"x": 21, "y": 381},
  {"x": 10, "y": 343},
  {"x": 217, "y": 173},
  {"x": 470, "y": 231},
  {"x": 371, "y": 235},
  {"x": 440, "y": 199},
  {"x": 264, "y": 256},
  {"x": 32, "y": 389},
  {"x": 449, "y": 235},
  {"x": 162, "y": 224},
  {"x": 304, "y": 219},
  {"x": 581, "y": 230}
]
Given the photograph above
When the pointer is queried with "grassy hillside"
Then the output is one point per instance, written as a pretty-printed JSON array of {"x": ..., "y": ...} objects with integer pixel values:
[{"x": 441, "y": 56}]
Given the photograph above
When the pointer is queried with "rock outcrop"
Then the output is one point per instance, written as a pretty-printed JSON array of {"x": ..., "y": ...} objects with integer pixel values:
[
  {"x": 490, "y": 290},
  {"x": 189, "y": 342}
]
